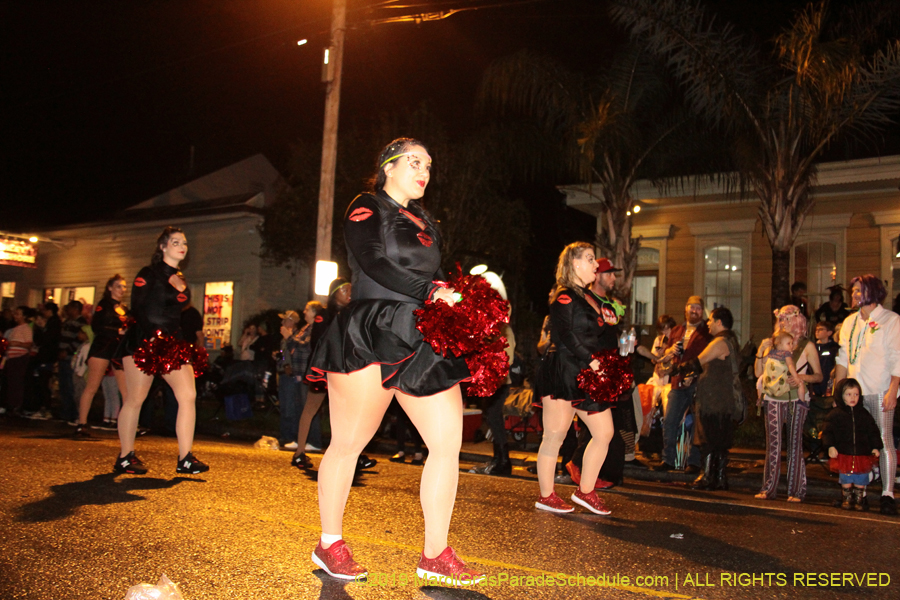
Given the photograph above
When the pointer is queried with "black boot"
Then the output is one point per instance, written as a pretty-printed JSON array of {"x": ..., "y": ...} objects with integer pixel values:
[
  {"x": 704, "y": 481},
  {"x": 721, "y": 474},
  {"x": 859, "y": 499},
  {"x": 499, "y": 465},
  {"x": 847, "y": 498}
]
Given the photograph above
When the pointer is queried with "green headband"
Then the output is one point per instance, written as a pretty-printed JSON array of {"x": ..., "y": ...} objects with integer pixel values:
[
  {"x": 396, "y": 156},
  {"x": 392, "y": 158}
]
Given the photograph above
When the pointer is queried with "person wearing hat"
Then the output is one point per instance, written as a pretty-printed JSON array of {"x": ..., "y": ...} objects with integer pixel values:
[
  {"x": 835, "y": 310},
  {"x": 686, "y": 342},
  {"x": 288, "y": 392}
]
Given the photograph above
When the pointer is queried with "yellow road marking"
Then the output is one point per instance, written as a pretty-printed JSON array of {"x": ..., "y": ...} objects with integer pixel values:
[{"x": 316, "y": 529}]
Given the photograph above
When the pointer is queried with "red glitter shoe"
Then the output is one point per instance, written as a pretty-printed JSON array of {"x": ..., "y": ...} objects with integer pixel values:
[
  {"x": 591, "y": 501},
  {"x": 575, "y": 476},
  {"x": 338, "y": 561},
  {"x": 448, "y": 569},
  {"x": 553, "y": 503},
  {"x": 574, "y": 472}
]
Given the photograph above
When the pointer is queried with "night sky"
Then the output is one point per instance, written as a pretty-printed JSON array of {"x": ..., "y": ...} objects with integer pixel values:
[{"x": 102, "y": 100}]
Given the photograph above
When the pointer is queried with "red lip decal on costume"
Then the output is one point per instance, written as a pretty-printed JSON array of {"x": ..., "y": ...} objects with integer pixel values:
[
  {"x": 563, "y": 299},
  {"x": 413, "y": 218},
  {"x": 98, "y": 308},
  {"x": 318, "y": 319},
  {"x": 181, "y": 298},
  {"x": 609, "y": 316},
  {"x": 360, "y": 214},
  {"x": 140, "y": 282},
  {"x": 425, "y": 239}
]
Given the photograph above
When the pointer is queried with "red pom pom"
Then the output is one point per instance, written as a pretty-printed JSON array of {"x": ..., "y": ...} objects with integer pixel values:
[
  {"x": 489, "y": 368},
  {"x": 470, "y": 328},
  {"x": 612, "y": 379},
  {"x": 163, "y": 354}
]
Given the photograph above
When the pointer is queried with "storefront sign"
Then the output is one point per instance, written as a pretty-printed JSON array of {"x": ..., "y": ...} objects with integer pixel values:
[
  {"x": 17, "y": 252},
  {"x": 217, "y": 304}
]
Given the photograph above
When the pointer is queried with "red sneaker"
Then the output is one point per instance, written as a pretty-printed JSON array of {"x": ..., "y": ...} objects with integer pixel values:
[
  {"x": 574, "y": 472},
  {"x": 338, "y": 561},
  {"x": 575, "y": 476},
  {"x": 591, "y": 501},
  {"x": 447, "y": 568},
  {"x": 554, "y": 503}
]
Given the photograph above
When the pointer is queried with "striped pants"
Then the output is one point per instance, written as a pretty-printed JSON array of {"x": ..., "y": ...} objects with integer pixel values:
[
  {"x": 885, "y": 421},
  {"x": 793, "y": 415}
]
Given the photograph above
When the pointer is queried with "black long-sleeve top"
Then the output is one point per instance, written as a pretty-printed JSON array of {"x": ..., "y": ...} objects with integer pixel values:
[
  {"x": 578, "y": 329},
  {"x": 155, "y": 303},
  {"x": 394, "y": 252},
  {"x": 109, "y": 317}
]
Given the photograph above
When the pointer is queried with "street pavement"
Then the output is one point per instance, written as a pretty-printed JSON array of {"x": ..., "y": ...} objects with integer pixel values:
[{"x": 245, "y": 530}]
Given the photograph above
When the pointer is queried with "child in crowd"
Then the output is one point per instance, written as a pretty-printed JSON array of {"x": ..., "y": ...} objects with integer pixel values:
[
  {"x": 854, "y": 443},
  {"x": 827, "y": 349},
  {"x": 778, "y": 366}
]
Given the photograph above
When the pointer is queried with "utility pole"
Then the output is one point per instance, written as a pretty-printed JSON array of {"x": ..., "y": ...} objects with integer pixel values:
[{"x": 331, "y": 75}]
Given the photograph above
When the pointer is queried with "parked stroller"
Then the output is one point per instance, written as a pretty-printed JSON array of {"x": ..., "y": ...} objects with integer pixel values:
[{"x": 521, "y": 418}]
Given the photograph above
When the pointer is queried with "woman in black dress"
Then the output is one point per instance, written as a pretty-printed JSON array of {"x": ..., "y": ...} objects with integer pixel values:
[
  {"x": 158, "y": 295},
  {"x": 578, "y": 329},
  {"x": 373, "y": 352},
  {"x": 108, "y": 324}
]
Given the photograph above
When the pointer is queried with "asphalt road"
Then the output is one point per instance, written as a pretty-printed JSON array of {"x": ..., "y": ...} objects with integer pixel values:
[{"x": 72, "y": 530}]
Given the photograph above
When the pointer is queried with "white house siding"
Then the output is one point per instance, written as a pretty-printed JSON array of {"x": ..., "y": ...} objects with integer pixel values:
[{"x": 221, "y": 248}]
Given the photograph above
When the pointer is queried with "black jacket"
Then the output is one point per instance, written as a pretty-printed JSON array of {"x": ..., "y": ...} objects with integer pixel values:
[{"x": 851, "y": 430}]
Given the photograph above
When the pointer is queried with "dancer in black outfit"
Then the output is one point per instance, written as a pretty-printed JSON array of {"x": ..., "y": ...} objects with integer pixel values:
[
  {"x": 580, "y": 326},
  {"x": 373, "y": 352},
  {"x": 108, "y": 323},
  {"x": 159, "y": 294}
]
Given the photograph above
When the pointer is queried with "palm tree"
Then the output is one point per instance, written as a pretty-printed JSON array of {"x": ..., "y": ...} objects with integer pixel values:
[
  {"x": 608, "y": 131},
  {"x": 782, "y": 109}
]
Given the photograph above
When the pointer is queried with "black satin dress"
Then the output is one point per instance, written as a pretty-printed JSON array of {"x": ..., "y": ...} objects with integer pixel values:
[
  {"x": 395, "y": 256},
  {"x": 156, "y": 305},
  {"x": 109, "y": 317},
  {"x": 576, "y": 332}
]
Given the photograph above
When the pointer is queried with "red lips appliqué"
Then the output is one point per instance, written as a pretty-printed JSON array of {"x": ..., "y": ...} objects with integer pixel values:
[
  {"x": 98, "y": 308},
  {"x": 425, "y": 239},
  {"x": 318, "y": 319},
  {"x": 360, "y": 214},
  {"x": 563, "y": 299},
  {"x": 609, "y": 316},
  {"x": 140, "y": 282},
  {"x": 181, "y": 298}
]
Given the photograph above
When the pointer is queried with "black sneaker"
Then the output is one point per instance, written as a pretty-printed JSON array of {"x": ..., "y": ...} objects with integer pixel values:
[
  {"x": 129, "y": 464},
  {"x": 888, "y": 506},
  {"x": 191, "y": 465},
  {"x": 301, "y": 461},
  {"x": 364, "y": 462},
  {"x": 82, "y": 431}
]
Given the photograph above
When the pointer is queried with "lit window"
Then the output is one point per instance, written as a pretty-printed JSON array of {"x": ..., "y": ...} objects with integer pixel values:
[{"x": 722, "y": 280}]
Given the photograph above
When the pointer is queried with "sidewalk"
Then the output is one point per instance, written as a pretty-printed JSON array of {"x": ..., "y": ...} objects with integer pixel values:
[{"x": 745, "y": 470}]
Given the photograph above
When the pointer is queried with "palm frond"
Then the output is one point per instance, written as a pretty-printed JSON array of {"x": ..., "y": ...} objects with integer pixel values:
[{"x": 719, "y": 69}]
